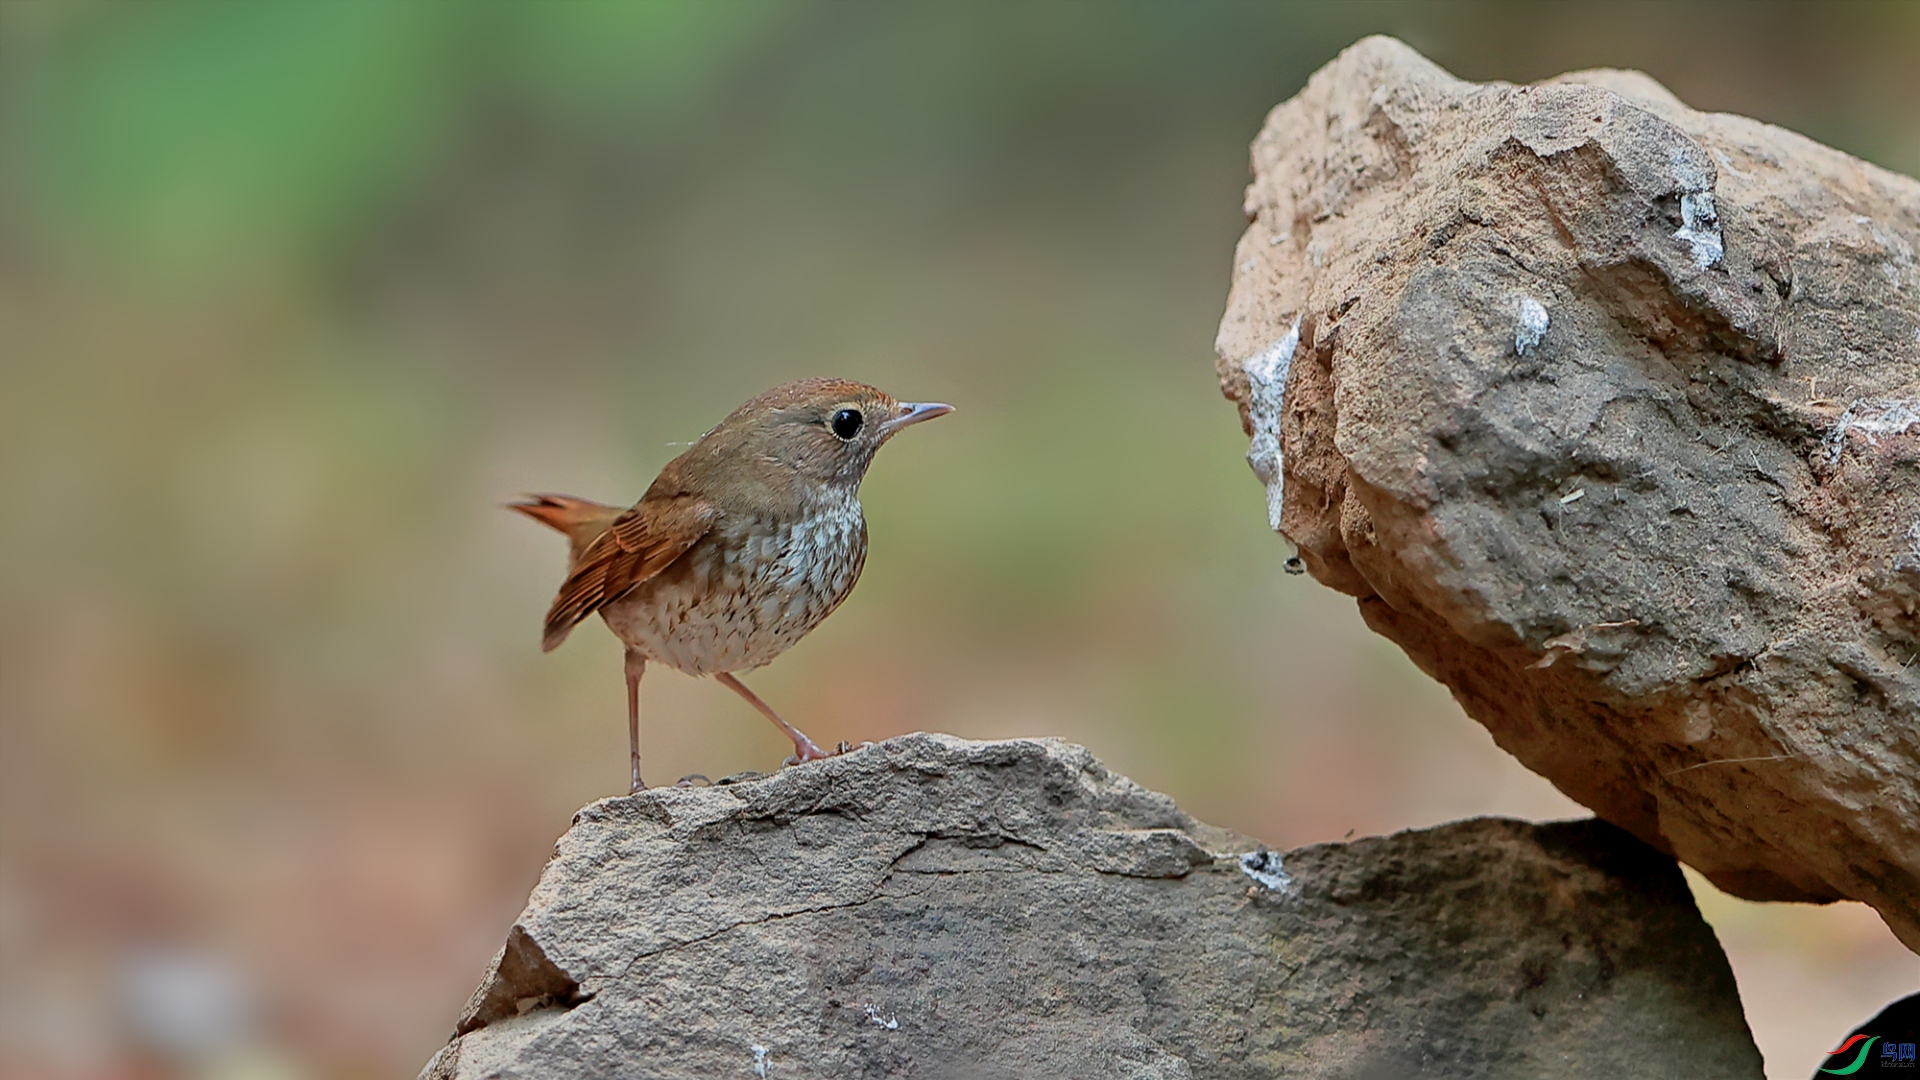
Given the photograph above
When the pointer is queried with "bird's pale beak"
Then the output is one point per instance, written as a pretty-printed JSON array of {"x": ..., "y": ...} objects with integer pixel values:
[{"x": 912, "y": 412}]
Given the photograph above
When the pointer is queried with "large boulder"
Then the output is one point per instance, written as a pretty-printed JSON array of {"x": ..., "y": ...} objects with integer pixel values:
[
  {"x": 938, "y": 908},
  {"x": 1606, "y": 410}
]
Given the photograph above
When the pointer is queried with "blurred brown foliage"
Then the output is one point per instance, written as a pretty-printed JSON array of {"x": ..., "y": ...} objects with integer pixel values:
[{"x": 293, "y": 295}]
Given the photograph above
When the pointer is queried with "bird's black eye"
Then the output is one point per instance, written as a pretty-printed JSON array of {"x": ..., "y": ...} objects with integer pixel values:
[{"x": 846, "y": 423}]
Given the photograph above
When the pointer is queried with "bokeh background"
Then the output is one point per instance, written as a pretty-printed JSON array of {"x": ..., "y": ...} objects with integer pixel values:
[{"x": 292, "y": 296}]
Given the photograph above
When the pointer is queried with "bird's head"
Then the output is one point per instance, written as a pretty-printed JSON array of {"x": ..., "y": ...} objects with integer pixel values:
[{"x": 819, "y": 433}]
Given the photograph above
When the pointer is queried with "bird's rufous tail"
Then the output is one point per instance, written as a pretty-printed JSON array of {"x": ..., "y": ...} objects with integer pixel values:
[{"x": 581, "y": 519}]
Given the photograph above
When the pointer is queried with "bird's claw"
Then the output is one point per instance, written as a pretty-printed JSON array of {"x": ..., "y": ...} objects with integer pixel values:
[
  {"x": 806, "y": 753},
  {"x": 694, "y": 780}
]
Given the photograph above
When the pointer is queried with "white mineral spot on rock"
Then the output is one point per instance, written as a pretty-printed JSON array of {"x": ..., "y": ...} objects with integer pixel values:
[
  {"x": 1264, "y": 868},
  {"x": 1699, "y": 220},
  {"x": 1531, "y": 327},
  {"x": 1872, "y": 417},
  {"x": 1688, "y": 171},
  {"x": 1700, "y": 228},
  {"x": 760, "y": 1060},
  {"x": 888, "y": 1021},
  {"x": 1697, "y": 725},
  {"x": 1266, "y": 387}
]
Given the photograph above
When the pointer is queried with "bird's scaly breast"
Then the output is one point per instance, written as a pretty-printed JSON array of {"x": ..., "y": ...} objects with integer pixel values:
[{"x": 744, "y": 594}]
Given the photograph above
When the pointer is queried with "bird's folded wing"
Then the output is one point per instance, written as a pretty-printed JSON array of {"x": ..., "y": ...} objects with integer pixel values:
[{"x": 641, "y": 542}]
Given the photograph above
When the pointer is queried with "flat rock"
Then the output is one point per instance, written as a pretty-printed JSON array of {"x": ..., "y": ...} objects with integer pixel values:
[
  {"x": 933, "y": 907},
  {"x": 1606, "y": 410}
]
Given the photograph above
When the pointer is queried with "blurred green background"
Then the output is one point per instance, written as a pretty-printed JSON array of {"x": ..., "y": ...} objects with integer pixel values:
[{"x": 293, "y": 295}]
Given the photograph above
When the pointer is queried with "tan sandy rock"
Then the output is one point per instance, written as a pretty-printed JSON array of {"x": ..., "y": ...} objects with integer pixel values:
[{"x": 1606, "y": 410}]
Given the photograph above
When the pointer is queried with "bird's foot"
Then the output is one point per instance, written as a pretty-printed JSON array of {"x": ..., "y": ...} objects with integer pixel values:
[
  {"x": 805, "y": 750},
  {"x": 694, "y": 780}
]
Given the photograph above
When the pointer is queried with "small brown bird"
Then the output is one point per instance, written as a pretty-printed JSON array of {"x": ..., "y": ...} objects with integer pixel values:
[{"x": 742, "y": 545}]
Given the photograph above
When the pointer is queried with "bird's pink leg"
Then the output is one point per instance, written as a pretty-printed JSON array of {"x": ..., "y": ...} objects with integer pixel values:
[
  {"x": 636, "y": 667},
  {"x": 803, "y": 747}
]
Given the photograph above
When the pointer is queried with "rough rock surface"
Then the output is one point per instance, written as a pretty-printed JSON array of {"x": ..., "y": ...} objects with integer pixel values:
[
  {"x": 931, "y": 907},
  {"x": 1606, "y": 410}
]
